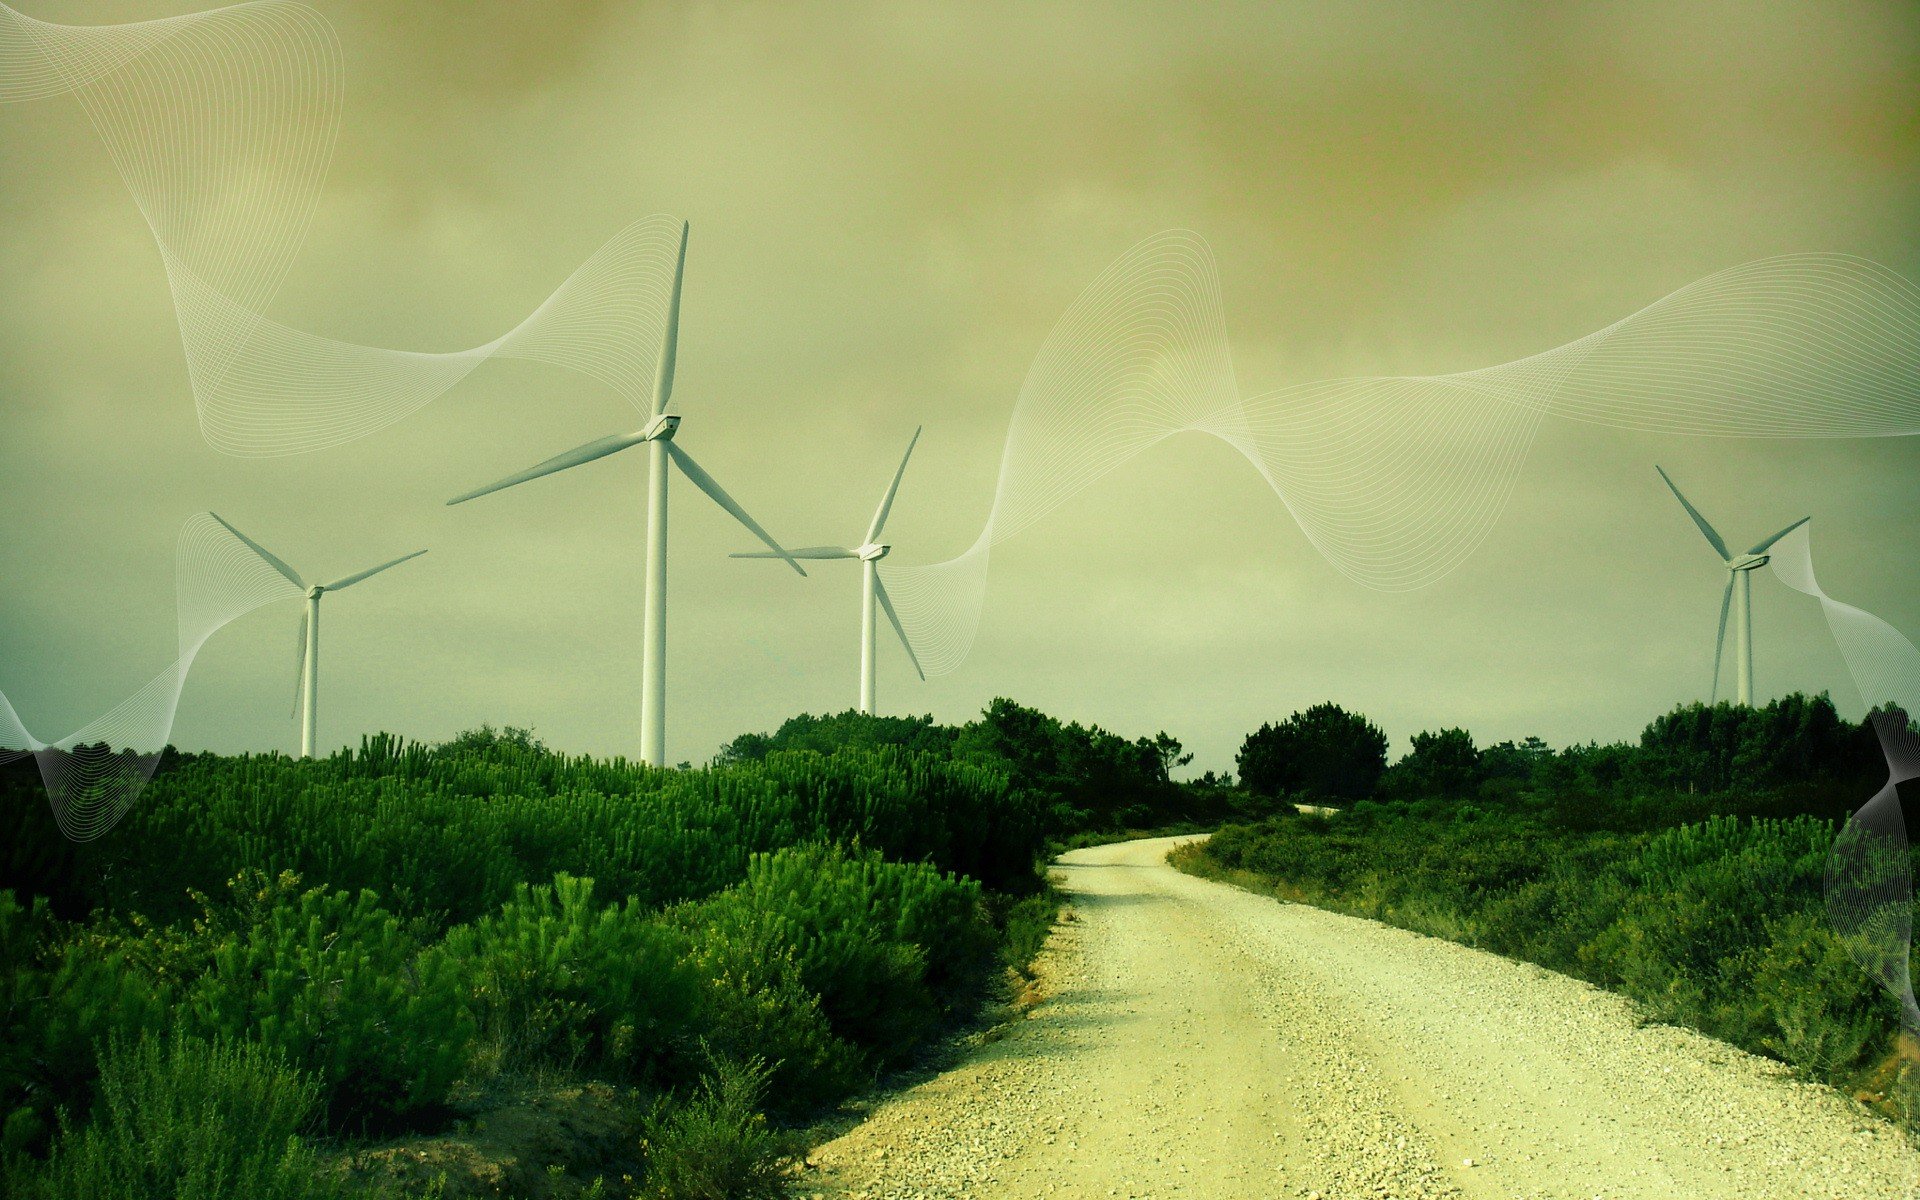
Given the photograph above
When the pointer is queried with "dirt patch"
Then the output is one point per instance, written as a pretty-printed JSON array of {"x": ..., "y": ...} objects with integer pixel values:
[{"x": 520, "y": 1139}]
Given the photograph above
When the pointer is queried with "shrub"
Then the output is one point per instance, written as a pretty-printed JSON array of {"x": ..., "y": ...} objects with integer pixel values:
[
  {"x": 334, "y": 982},
  {"x": 754, "y": 1001},
  {"x": 553, "y": 977},
  {"x": 716, "y": 1145},
  {"x": 60, "y": 995},
  {"x": 1816, "y": 1008},
  {"x": 874, "y": 940},
  {"x": 448, "y": 832},
  {"x": 190, "y": 1120}
]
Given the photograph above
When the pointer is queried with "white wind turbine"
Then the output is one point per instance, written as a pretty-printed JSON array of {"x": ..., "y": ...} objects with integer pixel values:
[
  {"x": 1740, "y": 568},
  {"x": 659, "y": 438},
  {"x": 307, "y": 679},
  {"x": 869, "y": 552}
]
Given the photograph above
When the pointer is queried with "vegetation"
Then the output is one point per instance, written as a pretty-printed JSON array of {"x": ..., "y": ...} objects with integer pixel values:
[
  {"x": 381, "y": 935},
  {"x": 1685, "y": 871},
  {"x": 190, "y": 1120},
  {"x": 293, "y": 978},
  {"x": 1326, "y": 753}
]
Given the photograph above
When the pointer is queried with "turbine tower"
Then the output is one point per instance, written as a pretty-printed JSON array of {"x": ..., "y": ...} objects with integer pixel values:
[
  {"x": 1740, "y": 568},
  {"x": 307, "y": 678},
  {"x": 658, "y": 436},
  {"x": 870, "y": 551}
]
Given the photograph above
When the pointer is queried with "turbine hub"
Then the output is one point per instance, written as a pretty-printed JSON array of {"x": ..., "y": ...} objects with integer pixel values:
[
  {"x": 661, "y": 428},
  {"x": 872, "y": 552}
]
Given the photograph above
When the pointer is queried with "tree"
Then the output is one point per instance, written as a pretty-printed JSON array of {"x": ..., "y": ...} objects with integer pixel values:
[
  {"x": 1088, "y": 777},
  {"x": 837, "y": 731},
  {"x": 1325, "y": 751},
  {"x": 1441, "y": 764},
  {"x": 1167, "y": 749}
]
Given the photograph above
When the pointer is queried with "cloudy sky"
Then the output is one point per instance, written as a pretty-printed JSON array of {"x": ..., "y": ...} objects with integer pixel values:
[{"x": 891, "y": 207}]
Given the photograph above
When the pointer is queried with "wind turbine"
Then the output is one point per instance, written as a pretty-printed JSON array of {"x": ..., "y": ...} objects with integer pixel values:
[
  {"x": 307, "y": 680},
  {"x": 1740, "y": 568},
  {"x": 869, "y": 552},
  {"x": 658, "y": 435}
]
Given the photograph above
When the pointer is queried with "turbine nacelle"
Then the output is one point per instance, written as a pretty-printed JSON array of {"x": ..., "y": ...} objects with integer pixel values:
[
  {"x": 661, "y": 428},
  {"x": 1748, "y": 562},
  {"x": 871, "y": 552}
]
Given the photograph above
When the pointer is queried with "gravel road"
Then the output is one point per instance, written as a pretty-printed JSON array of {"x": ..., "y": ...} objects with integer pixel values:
[{"x": 1205, "y": 1042}]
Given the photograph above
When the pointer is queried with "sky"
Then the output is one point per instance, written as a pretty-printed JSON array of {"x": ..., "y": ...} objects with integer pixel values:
[{"x": 891, "y": 206}]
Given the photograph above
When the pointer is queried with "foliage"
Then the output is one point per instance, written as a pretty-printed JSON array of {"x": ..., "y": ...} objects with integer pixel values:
[
  {"x": 333, "y": 981},
  {"x": 756, "y": 1002},
  {"x": 551, "y": 977},
  {"x": 1717, "y": 924},
  {"x": 1324, "y": 751},
  {"x": 717, "y": 1145},
  {"x": 1083, "y": 776},
  {"x": 878, "y": 942},
  {"x": 834, "y": 732},
  {"x": 1440, "y": 764},
  {"x": 190, "y": 1120},
  {"x": 450, "y": 831},
  {"x": 59, "y": 997}
]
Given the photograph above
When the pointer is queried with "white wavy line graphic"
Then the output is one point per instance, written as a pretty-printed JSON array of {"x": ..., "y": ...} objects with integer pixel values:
[
  {"x": 1396, "y": 480},
  {"x": 93, "y": 774},
  {"x": 222, "y": 124}
]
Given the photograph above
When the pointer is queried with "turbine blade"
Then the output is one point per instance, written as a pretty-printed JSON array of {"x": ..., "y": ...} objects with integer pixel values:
[
  {"x": 271, "y": 560},
  {"x": 886, "y": 502},
  {"x": 598, "y": 448},
  {"x": 1720, "y": 639},
  {"x": 670, "y": 341},
  {"x": 706, "y": 483},
  {"x": 803, "y": 552},
  {"x": 299, "y": 664},
  {"x": 1713, "y": 536},
  {"x": 350, "y": 580},
  {"x": 886, "y": 602},
  {"x": 1762, "y": 547}
]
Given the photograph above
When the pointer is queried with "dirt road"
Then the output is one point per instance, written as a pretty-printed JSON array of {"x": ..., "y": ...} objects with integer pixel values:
[{"x": 1205, "y": 1042}]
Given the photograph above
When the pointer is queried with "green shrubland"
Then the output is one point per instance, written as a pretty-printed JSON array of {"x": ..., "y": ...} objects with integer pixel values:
[
  {"x": 386, "y": 930},
  {"x": 270, "y": 965},
  {"x": 1686, "y": 871}
]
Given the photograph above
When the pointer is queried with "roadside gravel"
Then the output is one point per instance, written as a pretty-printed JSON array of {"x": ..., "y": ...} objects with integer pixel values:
[{"x": 1201, "y": 1041}]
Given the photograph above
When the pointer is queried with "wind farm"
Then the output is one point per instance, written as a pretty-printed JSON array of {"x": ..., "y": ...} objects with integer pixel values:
[
  {"x": 1274, "y": 764},
  {"x": 658, "y": 435}
]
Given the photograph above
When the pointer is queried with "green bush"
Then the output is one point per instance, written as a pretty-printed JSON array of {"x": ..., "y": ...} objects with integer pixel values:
[
  {"x": 60, "y": 995},
  {"x": 876, "y": 941},
  {"x": 189, "y": 1120},
  {"x": 716, "y": 1145},
  {"x": 553, "y": 977},
  {"x": 332, "y": 981},
  {"x": 448, "y": 832},
  {"x": 1816, "y": 1008},
  {"x": 754, "y": 1001}
]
